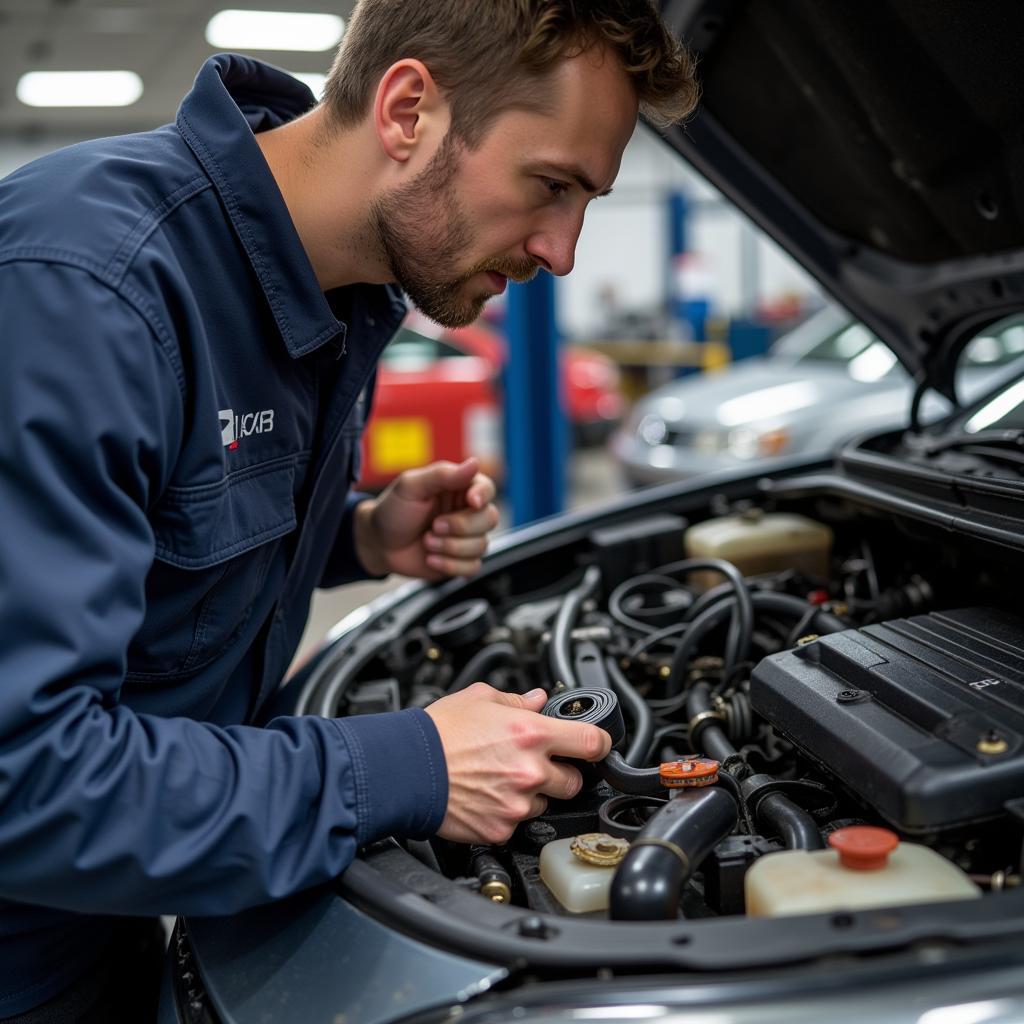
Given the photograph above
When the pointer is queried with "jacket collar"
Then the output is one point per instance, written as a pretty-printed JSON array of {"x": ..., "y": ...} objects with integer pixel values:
[{"x": 233, "y": 98}]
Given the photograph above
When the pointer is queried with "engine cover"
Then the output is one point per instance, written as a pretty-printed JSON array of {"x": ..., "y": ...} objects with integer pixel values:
[{"x": 922, "y": 718}]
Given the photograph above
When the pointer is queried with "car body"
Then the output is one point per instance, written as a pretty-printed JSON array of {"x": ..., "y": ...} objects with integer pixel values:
[
  {"x": 438, "y": 396},
  {"x": 826, "y": 381},
  {"x": 862, "y": 665}
]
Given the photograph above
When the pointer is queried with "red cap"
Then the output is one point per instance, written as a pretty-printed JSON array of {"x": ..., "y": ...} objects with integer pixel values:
[
  {"x": 863, "y": 847},
  {"x": 818, "y": 597}
]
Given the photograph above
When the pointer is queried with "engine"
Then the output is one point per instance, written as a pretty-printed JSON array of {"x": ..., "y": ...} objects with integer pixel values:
[{"x": 774, "y": 685}]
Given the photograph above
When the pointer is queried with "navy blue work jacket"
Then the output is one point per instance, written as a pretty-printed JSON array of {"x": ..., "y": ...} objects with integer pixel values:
[{"x": 180, "y": 412}]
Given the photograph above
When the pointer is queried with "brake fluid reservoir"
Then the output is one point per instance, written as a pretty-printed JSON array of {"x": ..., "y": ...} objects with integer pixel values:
[
  {"x": 758, "y": 542},
  {"x": 579, "y": 870},
  {"x": 866, "y": 867}
]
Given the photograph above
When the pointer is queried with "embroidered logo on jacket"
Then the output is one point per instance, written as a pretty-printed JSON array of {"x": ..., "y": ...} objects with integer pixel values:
[{"x": 233, "y": 428}]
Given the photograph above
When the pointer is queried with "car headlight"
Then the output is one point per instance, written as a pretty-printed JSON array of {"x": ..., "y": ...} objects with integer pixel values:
[
  {"x": 742, "y": 443},
  {"x": 652, "y": 429}
]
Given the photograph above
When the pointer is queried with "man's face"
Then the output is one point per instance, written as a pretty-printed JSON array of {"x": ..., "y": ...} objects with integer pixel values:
[{"x": 513, "y": 204}]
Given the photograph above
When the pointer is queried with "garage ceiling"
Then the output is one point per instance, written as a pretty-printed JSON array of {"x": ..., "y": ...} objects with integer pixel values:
[{"x": 159, "y": 40}]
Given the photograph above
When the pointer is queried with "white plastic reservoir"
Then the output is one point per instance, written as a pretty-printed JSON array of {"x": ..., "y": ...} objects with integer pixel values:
[
  {"x": 866, "y": 867},
  {"x": 580, "y": 886}
]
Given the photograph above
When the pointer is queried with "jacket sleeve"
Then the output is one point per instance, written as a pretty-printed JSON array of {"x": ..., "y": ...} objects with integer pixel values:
[{"x": 102, "y": 809}]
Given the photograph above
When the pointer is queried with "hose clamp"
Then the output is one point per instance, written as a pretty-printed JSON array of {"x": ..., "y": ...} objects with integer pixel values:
[
  {"x": 679, "y": 852},
  {"x": 696, "y": 723}
]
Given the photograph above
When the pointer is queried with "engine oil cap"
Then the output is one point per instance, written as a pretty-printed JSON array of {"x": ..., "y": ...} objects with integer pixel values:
[
  {"x": 599, "y": 849},
  {"x": 863, "y": 847},
  {"x": 688, "y": 772}
]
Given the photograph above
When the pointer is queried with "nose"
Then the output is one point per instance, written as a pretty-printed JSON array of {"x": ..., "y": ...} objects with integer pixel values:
[{"x": 554, "y": 246}]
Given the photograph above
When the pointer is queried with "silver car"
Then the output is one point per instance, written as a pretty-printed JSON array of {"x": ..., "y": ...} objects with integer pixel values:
[{"x": 826, "y": 381}]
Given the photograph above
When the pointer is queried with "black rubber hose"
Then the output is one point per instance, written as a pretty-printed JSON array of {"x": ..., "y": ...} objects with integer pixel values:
[
  {"x": 742, "y": 627},
  {"x": 561, "y": 646},
  {"x": 661, "y": 860},
  {"x": 639, "y": 711},
  {"x": 486, "y": 659},
  {"x": 627, "y": 779},
  {"x": 779, "y": 816},
  {"x": 708, "y": 736},
  {"x": 787, "y": 604},
  {"x": 714, "y": 614}
]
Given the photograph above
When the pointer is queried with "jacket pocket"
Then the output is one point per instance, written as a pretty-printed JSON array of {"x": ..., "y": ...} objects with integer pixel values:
[{"x": 214, "y": 546}]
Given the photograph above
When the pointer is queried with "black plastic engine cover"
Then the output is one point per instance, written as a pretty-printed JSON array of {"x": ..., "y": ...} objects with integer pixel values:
[{"x": 923, "y": 717}]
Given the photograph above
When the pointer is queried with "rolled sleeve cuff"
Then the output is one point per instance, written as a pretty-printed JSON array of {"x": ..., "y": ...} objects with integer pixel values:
[{"x": 400, "y": 771}]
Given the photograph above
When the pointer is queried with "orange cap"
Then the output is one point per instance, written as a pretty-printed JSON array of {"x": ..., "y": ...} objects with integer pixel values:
[
  {"x": 863, "y": 847},
  {"x": 690, "y": 771}
]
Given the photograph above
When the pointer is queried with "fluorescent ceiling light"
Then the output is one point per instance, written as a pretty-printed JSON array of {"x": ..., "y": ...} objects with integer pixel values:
[
  {"x": 79, "y": 88},
  {"x": 313, "y": 79},
  {"x": 273, "y": 30}
]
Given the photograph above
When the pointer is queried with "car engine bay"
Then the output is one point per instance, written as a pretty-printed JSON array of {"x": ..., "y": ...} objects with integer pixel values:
[{"x": 790, "y": 676}]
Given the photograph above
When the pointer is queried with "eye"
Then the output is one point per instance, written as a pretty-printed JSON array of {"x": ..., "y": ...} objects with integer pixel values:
[{"x": 554, "y": 186}]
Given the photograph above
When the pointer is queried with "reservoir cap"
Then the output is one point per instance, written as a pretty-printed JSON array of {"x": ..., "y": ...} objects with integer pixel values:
[{"x": 863, "y": 847}]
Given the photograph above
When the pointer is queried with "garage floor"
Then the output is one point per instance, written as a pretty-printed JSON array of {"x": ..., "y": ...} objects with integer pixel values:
[{"x": 592, "y": 479}]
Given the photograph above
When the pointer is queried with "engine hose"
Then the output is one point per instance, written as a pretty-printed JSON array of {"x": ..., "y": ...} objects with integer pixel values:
[
  {"x": 713, "y": 615},
  {"x": 654, "y": 584},
  {"x": 485, "y": 660},
  {"x": 742, "y": 627},
  {"x": 787, "y": 604},
  {"x": 627, "y": 779},
  {"x": 561, "y": 652},
  {"x": 662, "y": 859},
  {"x": 779, "y": 816},
  {"x": 708, "y": 598},
  {"x": 639, "y": 711},
  {"x": 705, "y": 733}
]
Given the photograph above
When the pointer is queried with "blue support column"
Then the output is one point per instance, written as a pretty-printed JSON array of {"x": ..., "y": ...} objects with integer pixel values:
[{"x": 536, "y": 437}]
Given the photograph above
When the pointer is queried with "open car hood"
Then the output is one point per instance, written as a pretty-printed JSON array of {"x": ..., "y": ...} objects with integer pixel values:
[{"x": 882, "y": 145}]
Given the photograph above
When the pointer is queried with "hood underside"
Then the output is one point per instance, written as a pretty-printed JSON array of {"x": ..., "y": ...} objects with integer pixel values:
[{"x": 882, "y": 144}]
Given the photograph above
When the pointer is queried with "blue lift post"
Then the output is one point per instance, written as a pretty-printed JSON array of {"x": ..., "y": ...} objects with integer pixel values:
[{"x": 536, "y": 436}]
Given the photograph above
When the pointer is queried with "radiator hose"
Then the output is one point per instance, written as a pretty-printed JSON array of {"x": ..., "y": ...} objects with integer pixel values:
[{"x": 671, "y": 846}]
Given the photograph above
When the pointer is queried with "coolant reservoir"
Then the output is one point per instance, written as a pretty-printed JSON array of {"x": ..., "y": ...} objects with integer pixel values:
[
  {"x": 579, "y": 870},
  {"x": 866, "y": 867},
  {"x": 759, "y": 542}
]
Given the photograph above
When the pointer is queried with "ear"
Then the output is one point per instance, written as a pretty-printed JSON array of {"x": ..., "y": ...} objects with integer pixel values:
[{"x": 409, "y": 111}]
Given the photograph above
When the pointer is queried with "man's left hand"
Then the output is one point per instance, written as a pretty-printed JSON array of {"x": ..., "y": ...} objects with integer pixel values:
[{"x": 429, "y": 523}]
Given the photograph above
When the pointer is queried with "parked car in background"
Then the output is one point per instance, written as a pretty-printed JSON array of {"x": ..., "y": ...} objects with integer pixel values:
[
  {"x": 826, "y": 381},
  {"x": 438, "y": 396}
]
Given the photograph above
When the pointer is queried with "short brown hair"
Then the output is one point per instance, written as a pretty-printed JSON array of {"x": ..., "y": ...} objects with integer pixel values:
[{"x": 486, "y": 54}]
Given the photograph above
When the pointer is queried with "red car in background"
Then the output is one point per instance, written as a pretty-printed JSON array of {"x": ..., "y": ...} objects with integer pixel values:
[{"x": 439, "y": 397}]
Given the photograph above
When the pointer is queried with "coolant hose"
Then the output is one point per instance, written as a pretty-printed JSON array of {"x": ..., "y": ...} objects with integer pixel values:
[
  {"x": 712, "y": 614},
  {"x": 627, "y": 779},
  {"x": 486, "y": 659},
  {"x": 649, "y": 881},
  {"x": 639, "y": 711},
  {"x": 779, "y": 816},
  {"x": 561, "y": 645},
  {"x": 705, "y": 733}
]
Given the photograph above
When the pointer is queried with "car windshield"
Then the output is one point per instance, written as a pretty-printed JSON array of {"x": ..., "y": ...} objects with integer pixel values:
[
  {"x": 867, "y": 358},
  {"x": 1004, "y": 411}
]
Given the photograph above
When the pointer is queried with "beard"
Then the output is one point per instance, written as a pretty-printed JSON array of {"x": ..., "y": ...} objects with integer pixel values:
[{"x": 423, "y": 231}]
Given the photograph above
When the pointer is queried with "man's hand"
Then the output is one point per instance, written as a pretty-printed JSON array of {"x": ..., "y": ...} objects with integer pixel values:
[
  {"x": 498, "y": 751},
  {"x": 430, "y": 523}
]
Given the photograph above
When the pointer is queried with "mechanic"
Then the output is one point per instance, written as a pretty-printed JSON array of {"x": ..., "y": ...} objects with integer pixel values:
[{"x": 191, "y": 321}]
